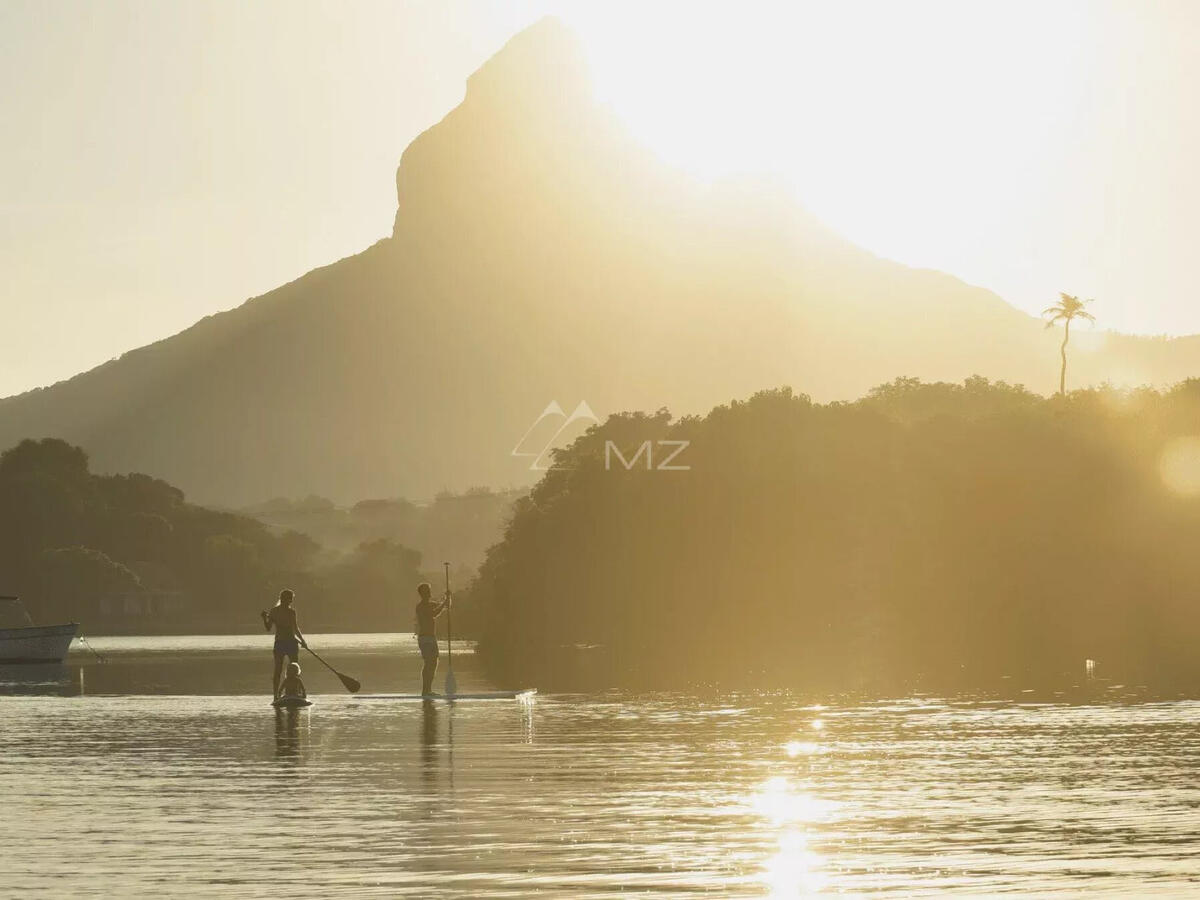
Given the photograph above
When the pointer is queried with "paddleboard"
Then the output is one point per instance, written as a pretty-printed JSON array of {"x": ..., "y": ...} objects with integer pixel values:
[
  {"x": 291, "y": 702},
  {"x": 526, "y": 694}
]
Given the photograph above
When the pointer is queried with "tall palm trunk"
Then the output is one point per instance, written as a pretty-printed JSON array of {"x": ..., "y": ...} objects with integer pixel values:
[{"x": 1062, "y": 378}]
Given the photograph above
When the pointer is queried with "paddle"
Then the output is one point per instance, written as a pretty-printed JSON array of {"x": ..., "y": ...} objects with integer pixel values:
[
  {"x": 451, "y": 681},
  {"x": 351, "y": 684}
]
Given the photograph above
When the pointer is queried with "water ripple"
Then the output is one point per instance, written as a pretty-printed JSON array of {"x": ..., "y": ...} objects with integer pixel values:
[{"x": 144, "y": 793}]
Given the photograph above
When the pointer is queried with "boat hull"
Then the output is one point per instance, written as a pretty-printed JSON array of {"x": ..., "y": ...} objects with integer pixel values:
[{"x": 37, "y": 644}]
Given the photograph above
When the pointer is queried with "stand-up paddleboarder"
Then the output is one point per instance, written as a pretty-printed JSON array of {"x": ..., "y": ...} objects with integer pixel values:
[
  {"x": 427, "y": 613},
  {"x": 288, "y": 639}
]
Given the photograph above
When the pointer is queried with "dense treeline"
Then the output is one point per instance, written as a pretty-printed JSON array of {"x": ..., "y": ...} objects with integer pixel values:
[
  {"x": 128, "y": 553},
  {"x": 938, "y": 535}
]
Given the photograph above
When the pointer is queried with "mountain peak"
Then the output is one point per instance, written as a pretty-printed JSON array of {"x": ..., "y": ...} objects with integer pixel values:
[
  {"x": 546, "y": 59},
  {"x": 528, "y": 117}
]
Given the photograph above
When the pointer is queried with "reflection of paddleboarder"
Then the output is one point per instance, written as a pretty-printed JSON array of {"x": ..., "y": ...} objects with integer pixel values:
[
  {"x": 427, "y": 613},
  {"x": 287, "y": 733},
  {"x": 288, "y": 639}
]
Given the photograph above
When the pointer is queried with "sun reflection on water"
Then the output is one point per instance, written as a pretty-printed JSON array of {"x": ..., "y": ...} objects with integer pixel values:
[
  {"x": 779, "y": 804},
  {"x": 794, "y": 869}
]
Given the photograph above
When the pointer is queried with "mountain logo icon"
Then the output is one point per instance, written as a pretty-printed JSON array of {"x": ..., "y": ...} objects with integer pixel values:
[{"x": 537, "y": 449}]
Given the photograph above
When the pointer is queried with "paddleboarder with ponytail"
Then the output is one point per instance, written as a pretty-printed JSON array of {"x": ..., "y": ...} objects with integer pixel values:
[{"x": 288, "y": 638}]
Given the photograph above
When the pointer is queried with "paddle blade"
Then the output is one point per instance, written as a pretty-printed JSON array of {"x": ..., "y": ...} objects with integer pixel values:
[
  {"x": 351, "y": 684},
  {"x": 451, "y": 683}
]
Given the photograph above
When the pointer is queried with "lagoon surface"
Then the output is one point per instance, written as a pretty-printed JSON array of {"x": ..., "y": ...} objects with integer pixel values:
[{"x": 164, "y": 771}]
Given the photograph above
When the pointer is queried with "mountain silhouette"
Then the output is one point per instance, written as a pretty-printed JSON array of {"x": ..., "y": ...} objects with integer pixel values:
[{"x": 539, "y": 255}]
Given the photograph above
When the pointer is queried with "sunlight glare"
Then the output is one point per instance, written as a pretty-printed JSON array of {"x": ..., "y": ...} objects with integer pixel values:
[
  {"x": 891, "y": 132},
  {"x": 1179, "y": 466}
]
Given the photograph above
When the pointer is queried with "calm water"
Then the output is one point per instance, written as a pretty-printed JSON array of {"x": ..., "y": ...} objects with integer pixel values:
[{"x": 168, "y": 774}]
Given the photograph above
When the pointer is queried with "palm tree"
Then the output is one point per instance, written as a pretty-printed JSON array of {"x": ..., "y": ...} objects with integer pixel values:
[{"x": 1067, "y": 309}]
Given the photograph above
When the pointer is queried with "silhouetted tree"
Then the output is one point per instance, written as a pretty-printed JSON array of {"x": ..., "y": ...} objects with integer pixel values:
[{"x": 1066, "y": 311}]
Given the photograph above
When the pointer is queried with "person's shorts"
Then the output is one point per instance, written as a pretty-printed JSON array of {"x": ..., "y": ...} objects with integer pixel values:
[
  {"x": 287, "y": 648},
  {"x": 429, "y": 647}
]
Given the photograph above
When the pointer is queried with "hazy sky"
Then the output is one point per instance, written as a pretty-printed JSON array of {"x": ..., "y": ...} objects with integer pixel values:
[{"x": 163, "y": 161}]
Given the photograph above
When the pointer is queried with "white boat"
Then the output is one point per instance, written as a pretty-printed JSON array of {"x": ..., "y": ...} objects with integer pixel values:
[{"x": 35, "y": 643}]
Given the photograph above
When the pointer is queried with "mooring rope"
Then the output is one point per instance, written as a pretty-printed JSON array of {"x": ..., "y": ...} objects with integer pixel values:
[{"x": 85, "y": 643}]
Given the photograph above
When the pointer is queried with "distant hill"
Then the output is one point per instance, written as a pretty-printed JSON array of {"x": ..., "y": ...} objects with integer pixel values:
[
  {"x": 538, "y": 255},
  {"x": 455, "y": 527}
]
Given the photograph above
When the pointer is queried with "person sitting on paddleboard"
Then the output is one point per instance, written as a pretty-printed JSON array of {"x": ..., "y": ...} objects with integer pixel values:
[
  {"x": 288, "y": 639},
  {"x": 292, "y": 686},
  {"x": 427, "y": 613}
]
